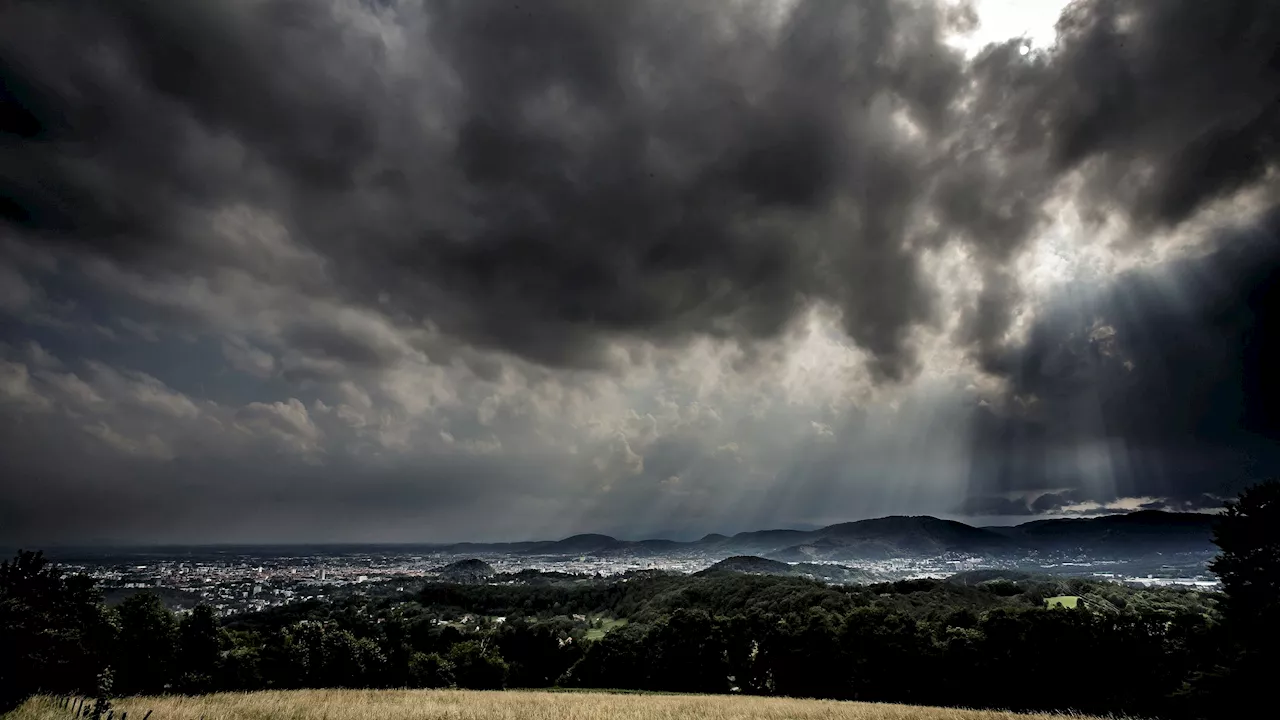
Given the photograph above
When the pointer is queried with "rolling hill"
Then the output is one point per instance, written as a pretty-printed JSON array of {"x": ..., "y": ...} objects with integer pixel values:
[
  {"x": 895, "y": 536},
  {"x": 750, "y": 564},
  {"x": 1143, "y": 532},
  {"x": 466, "y": 572}
]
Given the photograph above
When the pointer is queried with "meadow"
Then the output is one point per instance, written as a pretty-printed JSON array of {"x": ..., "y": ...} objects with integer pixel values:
[
  {"x": 502, "y": 705},
  {"x": 606, "y": 625}
]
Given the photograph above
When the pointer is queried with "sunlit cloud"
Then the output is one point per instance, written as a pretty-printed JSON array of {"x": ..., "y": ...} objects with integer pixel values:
[{"x": 670, "y": 268}]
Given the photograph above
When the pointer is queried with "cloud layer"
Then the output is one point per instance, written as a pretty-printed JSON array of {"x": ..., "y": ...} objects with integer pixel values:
[{"x": 415, "y": 270}]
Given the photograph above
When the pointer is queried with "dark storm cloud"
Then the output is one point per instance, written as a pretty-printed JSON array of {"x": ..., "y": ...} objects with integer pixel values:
[
  {"x": 592, "y": 168},
  {"x": 206, "y": 501},
  {"x": 1202, "y": 503},
  {"x": 1050, "y": 502},
  {"x": 310, "y": 189},
  {"x": 93, "y": 454},
  {"x": 1167, "y": 105},
  {"x": 541, "y": 177},
  {"x": 1074, "y": 502},
  {"x": 994, "y": 506},
  {"x": 1167, "y": 373},
  {"x": 1161, "y": 107}
]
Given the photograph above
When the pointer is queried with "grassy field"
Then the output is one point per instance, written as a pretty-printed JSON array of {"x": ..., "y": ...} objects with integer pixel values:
[
  {"x": 605, "y": 626},
  {"x": 1066, "y": 601},
  {"x": 504, "y": 705}
]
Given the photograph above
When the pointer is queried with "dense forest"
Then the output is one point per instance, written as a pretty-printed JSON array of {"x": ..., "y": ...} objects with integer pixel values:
[{"x": 974, "y": 640}]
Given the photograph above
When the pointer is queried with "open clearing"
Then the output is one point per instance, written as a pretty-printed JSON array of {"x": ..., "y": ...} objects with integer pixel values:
[
  {"x": 503, "y": 705},
  {"x": 606, "y": 625},
  {"x": 1066, "y": 601}
]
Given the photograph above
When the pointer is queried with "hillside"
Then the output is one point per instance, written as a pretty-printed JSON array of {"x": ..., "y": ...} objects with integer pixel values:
[
  {"x": 479, "y": 705},
  {"x": 894, "y": 536},
  {"x": 466, "y": 571},
  {"x": 1128, "y": 533},
  {"x": 750, "y": 564},
  {"x": 756, "y": 565},
  {"x": 586, "y": 543},
  {"x": 1142, "y": 532}
]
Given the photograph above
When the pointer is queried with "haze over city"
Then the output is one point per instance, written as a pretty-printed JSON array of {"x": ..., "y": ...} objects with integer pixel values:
[{"x": 394, "y": 271}]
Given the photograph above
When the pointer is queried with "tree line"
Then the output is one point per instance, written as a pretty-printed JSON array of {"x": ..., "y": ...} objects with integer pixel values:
[{"x": 985, "y": 643}]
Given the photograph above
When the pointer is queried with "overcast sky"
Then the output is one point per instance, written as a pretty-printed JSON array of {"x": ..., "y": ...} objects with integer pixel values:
[{"x": 408, "y": 270}]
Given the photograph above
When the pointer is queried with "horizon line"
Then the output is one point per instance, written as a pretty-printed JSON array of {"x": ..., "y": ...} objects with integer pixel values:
[{"x": 113, "y": 545}]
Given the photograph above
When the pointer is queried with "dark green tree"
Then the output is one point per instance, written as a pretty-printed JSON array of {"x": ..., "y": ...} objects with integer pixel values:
[
  {"x": 477, "y": 666},
  {"x": 885, "y": 653},
  {"x": 372, "y": 664},
  {"x": 145, "y": 657},
  {"x": 537, "y": 653},
  {"x": 320, "y": 656},
  {"x": 801, "y": 655},
  {"x": 618, "y": 660},
  {"x": 689, "y": 654},
  {"x": 200, "y": 644},
  {"x": 429, "y": 670},
  {"x": 306, "y": 656},
  {"x": 1248, "y": 535},
  {"x": 54, "y": 631},
  {"x": 241, "y": 667},
  {"x": 396, "y": 645}
]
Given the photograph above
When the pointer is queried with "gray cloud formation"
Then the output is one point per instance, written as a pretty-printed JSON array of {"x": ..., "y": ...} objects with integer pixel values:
[
  {"x": 538, "y": 177},
  {"x": 533, "y": 179},
  {"x": 1155, "y": 386},
  {"x": 1170, "y": 104},
  {"x": 573, "y": 247}
]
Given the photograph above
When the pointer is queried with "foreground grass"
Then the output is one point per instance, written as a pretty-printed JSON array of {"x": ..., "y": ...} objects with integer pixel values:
[{"x": 508, "y": 705}]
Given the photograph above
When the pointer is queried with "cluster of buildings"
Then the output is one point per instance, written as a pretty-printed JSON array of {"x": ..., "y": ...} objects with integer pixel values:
[
  {"x": 243, "y": 580},
  {"x": 232, "y": 582}
]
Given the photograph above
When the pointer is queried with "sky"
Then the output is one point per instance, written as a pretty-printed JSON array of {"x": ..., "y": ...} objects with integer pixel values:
[{"x": 432, "y": 270}]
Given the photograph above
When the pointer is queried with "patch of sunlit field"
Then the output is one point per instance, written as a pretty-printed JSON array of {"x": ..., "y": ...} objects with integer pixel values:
[{"x": 502, "y": 705}]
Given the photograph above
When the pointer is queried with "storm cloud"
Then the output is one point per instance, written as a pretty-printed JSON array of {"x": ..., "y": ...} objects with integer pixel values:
[
  {"x": 1157, "y": 385},
  {"x": 490, "y": 268}
]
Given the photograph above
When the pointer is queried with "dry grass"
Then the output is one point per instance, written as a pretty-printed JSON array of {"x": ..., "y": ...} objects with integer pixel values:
[{"x": 508, "y": 705}]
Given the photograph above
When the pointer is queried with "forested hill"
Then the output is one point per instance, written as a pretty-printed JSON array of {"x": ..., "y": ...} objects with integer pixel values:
[
  {"x": 749, "y": 564},
  {"x": 1146, "y": 531},
  {"x": 466, "y": 571}
]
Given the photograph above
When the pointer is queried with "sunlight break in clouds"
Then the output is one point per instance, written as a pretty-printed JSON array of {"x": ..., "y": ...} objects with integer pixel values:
[
  {"x": 1000, "y": 20},
  {"x": 480, "y": 271}
]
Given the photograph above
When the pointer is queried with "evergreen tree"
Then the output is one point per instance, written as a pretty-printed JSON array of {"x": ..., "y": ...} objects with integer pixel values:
[{"x": 1248, "y": 535}]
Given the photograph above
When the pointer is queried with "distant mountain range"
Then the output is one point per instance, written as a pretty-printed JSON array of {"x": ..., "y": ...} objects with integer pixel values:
[{"x": 1143, "y": 532}]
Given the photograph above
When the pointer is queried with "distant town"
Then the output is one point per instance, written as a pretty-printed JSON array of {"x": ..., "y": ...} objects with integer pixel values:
[{"x": 237, "y": 580}]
